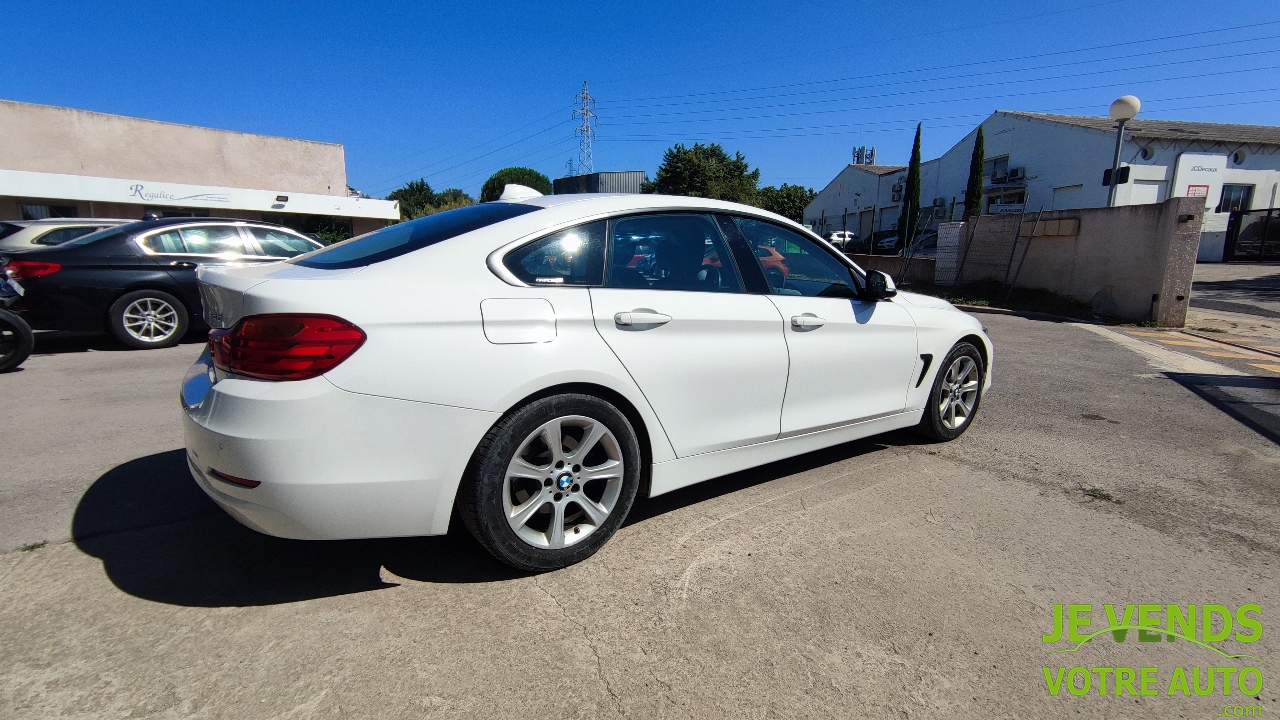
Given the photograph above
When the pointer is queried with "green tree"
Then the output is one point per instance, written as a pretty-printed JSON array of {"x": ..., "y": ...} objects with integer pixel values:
[
  {"x": 788, "y": 201},
  {"x": 528, "y": 177},
  {"x": 417, "y": 199},
  {"x": 705, "y": 171},
  {"x": 911, "y": 200},
  {"x": 973, "y": 190}
]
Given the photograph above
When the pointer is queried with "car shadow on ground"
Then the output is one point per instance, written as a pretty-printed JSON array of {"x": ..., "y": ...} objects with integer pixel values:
[
  {"x": 1253, "y": 401},
  {"x": 58, "y": 342},
  {"x": 160, "y": 538}
]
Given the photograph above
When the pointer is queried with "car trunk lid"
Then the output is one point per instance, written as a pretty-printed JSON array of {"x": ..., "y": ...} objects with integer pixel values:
[{"x": 223, "y": 288}]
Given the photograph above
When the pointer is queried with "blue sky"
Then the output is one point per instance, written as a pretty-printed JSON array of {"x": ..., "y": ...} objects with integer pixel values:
[{"x": 454, "y": 92}]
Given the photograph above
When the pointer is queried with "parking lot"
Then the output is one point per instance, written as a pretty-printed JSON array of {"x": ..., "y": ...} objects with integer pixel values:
[{"x": 883, "y": 578}]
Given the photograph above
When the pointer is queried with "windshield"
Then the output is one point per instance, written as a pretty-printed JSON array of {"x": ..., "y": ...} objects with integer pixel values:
[{"x": 406, "y": 237}]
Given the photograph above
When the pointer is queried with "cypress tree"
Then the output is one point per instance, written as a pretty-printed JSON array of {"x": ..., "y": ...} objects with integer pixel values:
[
  {"x": 911, "y": 200},
  {"x": 973, "y": 191}
]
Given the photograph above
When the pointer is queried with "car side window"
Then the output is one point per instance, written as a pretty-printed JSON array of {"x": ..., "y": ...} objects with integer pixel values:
[
  {"x": 281, "y": 244},
  {"x": 574, "y": 256},
  {"x": 61, "y": 235},
  {"x": 795, "y": 265},
  {"x": 214, "y": 240},
  {"x": 675, "y": 251},
  {"x": 169, "y": 243}
]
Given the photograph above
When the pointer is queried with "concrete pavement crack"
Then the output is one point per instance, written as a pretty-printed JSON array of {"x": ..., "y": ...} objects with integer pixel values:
[{"x": 617, "y": 700}]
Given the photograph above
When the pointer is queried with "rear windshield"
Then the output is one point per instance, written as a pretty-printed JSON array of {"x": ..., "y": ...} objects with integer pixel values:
[
  {"x": 7, "y": 229},
  {"x": 413, "y": 235}
]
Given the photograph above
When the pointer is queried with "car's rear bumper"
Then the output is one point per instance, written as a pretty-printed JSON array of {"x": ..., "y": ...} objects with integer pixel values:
[{"x": 331, "y": 464}]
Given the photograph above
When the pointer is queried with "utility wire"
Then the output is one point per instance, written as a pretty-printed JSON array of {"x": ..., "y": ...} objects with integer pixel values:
[
  {"x": 973, "y": 86},
  {"x": 474, "y": 148},
  {"x": 972, "y": 115},
  {"x": 1233, "y": 43},
  {"x": 959, "y": 65}
]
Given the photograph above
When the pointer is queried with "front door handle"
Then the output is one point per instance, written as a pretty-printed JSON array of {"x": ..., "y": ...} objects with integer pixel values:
[
  {"x": 641, "y": 317},
  {"x": 807, "y": 321},
  {"x": 182, "y": 264}
]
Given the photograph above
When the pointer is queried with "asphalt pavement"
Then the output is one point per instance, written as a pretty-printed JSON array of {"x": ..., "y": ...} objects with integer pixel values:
[{"x": 887, "y": 578}]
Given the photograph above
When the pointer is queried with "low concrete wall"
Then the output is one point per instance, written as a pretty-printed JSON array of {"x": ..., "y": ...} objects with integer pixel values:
[
  {"x": 1132, "y": 262},
  {"x": 919, "y": 269}
]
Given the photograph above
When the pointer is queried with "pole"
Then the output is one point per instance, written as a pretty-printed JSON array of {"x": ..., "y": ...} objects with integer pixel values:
[
  {"x": 1018, "y": 272},
  {"x": 1115, "y": 165}
]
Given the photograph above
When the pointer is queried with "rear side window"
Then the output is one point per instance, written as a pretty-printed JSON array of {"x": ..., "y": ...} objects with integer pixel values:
[
  {"x": 167, "y": 243},
  {"x": 61, "y": 235},
  {"x": 674, "y": 251},
  {"x": 569, "y": 257},
  {"x": 214, "y": 240},
  {"x": 413, "y": 235},
  {"x": 281, "y": 244}
]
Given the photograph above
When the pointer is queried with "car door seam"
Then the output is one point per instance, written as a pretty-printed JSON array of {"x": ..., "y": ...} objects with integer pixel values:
[{"x": 591, "y": 303}]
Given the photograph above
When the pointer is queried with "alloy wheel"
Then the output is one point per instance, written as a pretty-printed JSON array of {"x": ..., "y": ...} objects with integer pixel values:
[
  {"x": 958, "y": 393},
  {"x": 563, "y": 483},
  {"x": 150, "y": 320}
]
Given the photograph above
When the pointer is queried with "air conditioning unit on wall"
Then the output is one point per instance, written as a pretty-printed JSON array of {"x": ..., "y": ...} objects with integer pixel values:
[
  {"x": 897, "y": 196},
  {"x": 1016, "y": 174},
  {"x": 939, "y": 202}
]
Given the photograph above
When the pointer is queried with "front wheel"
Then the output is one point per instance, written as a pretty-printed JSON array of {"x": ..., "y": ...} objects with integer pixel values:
[
  {"x": 552, "y": 482},
  {"x": 956, "y": 393},
  {"x": 16, "y": 340},
  {"x": 148, "y": 319}
]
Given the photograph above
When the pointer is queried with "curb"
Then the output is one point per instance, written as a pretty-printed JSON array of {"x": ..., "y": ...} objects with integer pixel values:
[
  {"x": 1033, "y": 314},
  {"x": 1228, "y": 342}
]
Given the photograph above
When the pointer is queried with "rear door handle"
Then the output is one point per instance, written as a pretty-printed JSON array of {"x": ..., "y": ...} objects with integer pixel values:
[
  {"x": 807, "y": 321},
  {"x": 182, "y": 264},
  {"x": 641, "y": 317}
]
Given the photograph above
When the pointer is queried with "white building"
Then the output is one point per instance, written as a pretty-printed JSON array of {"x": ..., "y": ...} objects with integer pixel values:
[{"x": 1056, "y": 162}]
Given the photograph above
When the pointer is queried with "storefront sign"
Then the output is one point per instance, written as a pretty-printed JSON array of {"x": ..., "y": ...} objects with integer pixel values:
[{"x": 1200, "y": 175}]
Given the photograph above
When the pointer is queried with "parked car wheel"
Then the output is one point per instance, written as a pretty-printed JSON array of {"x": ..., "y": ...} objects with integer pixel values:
[
  {"x": 16, "y": 340},
  {"x": 148, "y": 319},
  {"x": 551, "y": 482},
  {"x": 956, "y": 393}
]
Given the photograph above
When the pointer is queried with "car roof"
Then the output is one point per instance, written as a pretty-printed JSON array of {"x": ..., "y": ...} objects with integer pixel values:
[
  {"x": 618, "y": 202},
  {"x": 68, "y": 221}
]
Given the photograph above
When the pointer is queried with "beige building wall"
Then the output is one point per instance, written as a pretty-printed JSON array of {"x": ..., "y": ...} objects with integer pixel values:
[{"x": 44, "y": 138}]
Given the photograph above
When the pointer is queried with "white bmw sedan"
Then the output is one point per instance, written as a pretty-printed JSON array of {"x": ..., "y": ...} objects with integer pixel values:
[{"x": 536, "y": 362}]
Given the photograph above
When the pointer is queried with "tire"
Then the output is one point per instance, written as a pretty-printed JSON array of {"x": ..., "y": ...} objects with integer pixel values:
[
  {"x": 515, "y": 497},
  {"x": 953, "y": 404},
  {"x": 146, "y": 319},
  {"x": 16, "y": 340}
]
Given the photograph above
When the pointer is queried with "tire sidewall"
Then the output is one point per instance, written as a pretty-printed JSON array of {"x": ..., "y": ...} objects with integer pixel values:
[
  {"x": 25, "y": 338},
  {"x": 931, "y": 423},
  {"x": 115, "y": 319},
  {"x": 482, "y": 505}
]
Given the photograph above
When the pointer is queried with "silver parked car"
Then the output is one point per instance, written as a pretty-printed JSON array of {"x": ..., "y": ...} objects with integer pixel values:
[{"x": 20, "y": 235}]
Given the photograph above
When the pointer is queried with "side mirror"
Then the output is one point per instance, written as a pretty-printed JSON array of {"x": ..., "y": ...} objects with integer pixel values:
[{"x": 880, "y": 286}]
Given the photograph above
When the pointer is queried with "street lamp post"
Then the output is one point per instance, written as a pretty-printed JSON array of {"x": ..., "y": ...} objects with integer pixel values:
[{"x": 1122, "y": 111}]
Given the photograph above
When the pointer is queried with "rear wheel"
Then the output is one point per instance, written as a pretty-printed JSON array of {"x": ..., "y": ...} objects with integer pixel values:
[
  {"x": 148, "y": 319},
  {"x": 956, "y": 393},
  {"x": 16, "y": 340},
  {"x": 552, "y": 482}
]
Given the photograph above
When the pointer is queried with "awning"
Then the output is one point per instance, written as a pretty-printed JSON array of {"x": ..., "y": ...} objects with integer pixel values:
[{"x": 23, "y": 184}]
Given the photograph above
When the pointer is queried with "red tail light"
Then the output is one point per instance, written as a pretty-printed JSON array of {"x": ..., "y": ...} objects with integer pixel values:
[
  {"x": 284, "y": 347},
  {"x": 28, "y": 269}
]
